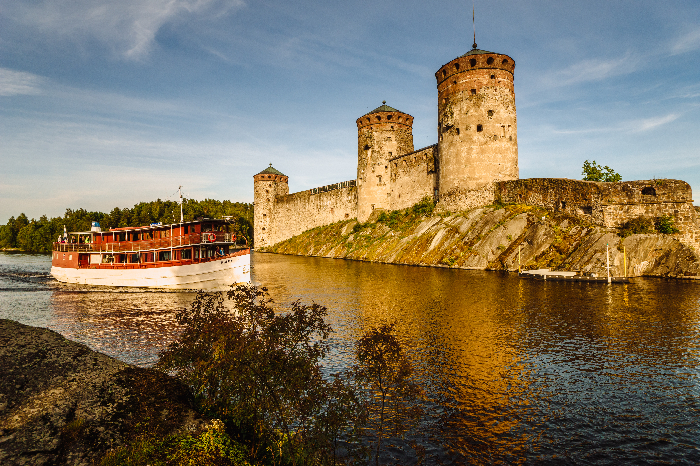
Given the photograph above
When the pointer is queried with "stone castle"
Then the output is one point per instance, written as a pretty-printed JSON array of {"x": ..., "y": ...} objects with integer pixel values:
[{"x": 474, "y": 163}]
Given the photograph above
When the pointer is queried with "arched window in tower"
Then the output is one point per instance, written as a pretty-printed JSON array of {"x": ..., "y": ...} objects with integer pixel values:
[
  {"x": 489, "y": 61},
  {"x": 490, "y": 114},
  {"x": 457, "y": 66},
  {"x": 479, "y": 128},
  {"x": 472, "y": 62}
]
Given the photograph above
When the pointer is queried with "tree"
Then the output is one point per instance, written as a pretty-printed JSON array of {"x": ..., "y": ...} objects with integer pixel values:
[
  {"x": 386, "y": 374},
  {"x": 594, "y": 172}
]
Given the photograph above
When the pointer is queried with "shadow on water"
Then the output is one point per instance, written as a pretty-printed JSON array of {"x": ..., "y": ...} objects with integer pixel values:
[{"x": 515, "y": 371}]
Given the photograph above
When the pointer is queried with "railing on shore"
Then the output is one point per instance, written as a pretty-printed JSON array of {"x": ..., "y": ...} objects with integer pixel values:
[{"x": 192, "y": 239}]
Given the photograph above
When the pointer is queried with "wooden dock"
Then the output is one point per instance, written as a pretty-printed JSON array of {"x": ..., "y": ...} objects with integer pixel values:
[{"x": 562, "y": 276}]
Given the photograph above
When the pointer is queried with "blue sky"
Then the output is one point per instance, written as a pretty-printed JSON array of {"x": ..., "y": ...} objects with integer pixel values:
[{"x": 106, "y": 103}]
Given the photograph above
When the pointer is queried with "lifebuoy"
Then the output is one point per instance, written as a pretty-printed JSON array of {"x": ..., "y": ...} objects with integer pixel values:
[{"x": 211, "y": 237}]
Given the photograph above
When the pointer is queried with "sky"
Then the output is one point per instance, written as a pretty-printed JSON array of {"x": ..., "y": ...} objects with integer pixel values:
[{"x": 107, "y": 103}]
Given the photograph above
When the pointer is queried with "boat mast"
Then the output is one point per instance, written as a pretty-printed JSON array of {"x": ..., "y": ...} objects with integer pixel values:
[{"x": 179, "y": 189}]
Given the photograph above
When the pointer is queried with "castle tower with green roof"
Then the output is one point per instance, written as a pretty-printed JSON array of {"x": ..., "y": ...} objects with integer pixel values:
[{"x": 382, "y": 134}]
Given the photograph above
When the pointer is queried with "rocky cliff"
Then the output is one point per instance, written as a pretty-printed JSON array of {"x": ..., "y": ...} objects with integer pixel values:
[
  {"x": 496, "y": 238},
  {"x": 61, "y": 403}
]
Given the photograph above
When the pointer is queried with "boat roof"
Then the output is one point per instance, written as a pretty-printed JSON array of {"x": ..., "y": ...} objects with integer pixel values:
[
  {"x": 168, "y": 225},
  {"x": 153, "y": 227}
]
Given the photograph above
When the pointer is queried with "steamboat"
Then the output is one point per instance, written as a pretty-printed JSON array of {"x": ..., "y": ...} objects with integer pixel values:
[{"x": 205, "y": 254}]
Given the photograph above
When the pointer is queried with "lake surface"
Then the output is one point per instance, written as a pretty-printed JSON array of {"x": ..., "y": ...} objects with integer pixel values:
[{"x": 514, "y": 371}]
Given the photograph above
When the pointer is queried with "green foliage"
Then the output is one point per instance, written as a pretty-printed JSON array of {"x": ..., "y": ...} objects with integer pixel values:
[
  {"x": 213, "y": 447},
  {"x": 636, "y": 226},
  {"x": 425, "y": 207},
  {"x": 640, "y": 225},
  {"x": 260, "y": 372},
  {"x": 665, "y": 225},
  {"x": 385, "y": 372},
  {"x": 594, "y": 172},
  {"x": 38, "y": 235}
]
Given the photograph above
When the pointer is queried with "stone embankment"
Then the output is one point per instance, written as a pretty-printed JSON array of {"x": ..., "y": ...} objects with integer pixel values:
[
  {"x": 497, "y": 238},
  {"x": 62, "y": 403}
]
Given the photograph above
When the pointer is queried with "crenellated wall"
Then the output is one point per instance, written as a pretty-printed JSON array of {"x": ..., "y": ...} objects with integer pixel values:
[
  {"x": 413, "y": 177},
  {"x": 298, "y": 212}
]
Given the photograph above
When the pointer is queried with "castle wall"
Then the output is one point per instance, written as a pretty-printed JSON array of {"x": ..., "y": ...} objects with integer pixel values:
[
  {"x": 413, "y": 176},
  {"x": 609, "y": 204},
  {"x": 298, "y": 212}
]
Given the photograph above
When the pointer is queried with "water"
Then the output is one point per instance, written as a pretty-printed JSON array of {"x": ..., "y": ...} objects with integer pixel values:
[{"x": 515, "y": 371}]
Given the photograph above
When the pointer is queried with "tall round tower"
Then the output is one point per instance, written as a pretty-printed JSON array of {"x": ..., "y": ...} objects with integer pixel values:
[
  {"x": 382, "y": 134},
  {"x": 477, "y": 129},
  {"x": 268, "y": 184}
]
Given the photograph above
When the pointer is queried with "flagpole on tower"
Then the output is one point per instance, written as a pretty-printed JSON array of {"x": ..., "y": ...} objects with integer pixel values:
[{"x": 474, "y": 24}]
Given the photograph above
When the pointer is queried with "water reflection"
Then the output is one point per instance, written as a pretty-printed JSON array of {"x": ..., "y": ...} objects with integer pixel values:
[
  {"x": 515, "y": 371},
  {"x": 522, "y": 371}
]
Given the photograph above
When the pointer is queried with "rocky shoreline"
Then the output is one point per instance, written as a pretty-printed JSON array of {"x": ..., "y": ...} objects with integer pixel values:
[
  {"x": 62, "y": 403},
  {"x": 497, "y": 238}
]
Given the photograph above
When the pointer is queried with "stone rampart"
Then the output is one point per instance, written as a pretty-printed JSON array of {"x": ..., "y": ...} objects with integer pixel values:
[
  {"x": 298, "y": 212},
  {"x": 413, "y": 176},
  {"x": 460, "y": 199},
  {"x": 608, "y": 204}
]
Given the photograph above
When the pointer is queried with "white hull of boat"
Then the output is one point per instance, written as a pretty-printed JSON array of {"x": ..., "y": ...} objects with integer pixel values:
[{"x": 214, "y": 275}]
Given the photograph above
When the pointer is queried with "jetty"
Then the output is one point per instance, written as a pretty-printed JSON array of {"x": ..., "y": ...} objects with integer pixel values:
[{"x": 560, "y": 275}]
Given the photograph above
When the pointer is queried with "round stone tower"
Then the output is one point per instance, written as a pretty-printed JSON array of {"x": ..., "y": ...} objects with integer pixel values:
[
  {"x": 382, "y": 134},
  {"x": 268, "y": 184},
  {"x": 477, "y": 129}
]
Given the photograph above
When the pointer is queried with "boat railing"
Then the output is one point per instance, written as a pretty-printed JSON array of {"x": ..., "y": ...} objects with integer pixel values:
[
  {"x": 192, "y": 239},
  {"x": 72, "y": 247},
  {"x": 170, "y": 263}
]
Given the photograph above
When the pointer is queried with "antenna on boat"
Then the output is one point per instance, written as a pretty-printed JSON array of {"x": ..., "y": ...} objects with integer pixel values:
[{"x": 179, "y": 189}]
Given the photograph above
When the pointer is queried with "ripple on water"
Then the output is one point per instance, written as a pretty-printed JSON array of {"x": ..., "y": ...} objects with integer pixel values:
[{"x": 514, "y": 371}]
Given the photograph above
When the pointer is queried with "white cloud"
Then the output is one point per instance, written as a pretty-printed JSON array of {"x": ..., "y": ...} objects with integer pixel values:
[
  {"x": 127, "y": 26},
  {"x": 687, "y": 43},
  {"x": 651, "y": 123},
  {"x": 19, "y": 83},
  {"x": 593, "y": 70}
]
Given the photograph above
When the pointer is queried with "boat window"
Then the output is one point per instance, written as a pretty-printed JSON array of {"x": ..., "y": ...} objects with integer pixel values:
[
  {"x": 206, "y": 227},
  {"x": 187, "y": 254}
]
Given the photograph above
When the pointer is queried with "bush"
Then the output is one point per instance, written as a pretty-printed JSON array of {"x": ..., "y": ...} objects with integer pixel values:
[
  {"x": 212, "y": 447},
  {"x": 636, "y": 226},
  {"x": 425, "y": 207},
  {"x": 259, "y": 371},
  {"x": 664, "y": 224}
]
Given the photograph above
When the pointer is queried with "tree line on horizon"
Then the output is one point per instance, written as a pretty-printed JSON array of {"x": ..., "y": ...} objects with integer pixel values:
[{"x": 37, "y": 236}]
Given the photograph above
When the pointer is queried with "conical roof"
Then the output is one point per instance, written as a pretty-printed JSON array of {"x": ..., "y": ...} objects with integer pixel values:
[
  {"x": 271, "y": 171},
  {"x": 384, "y": 108},
  {"x": 475, "y": 52}
]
